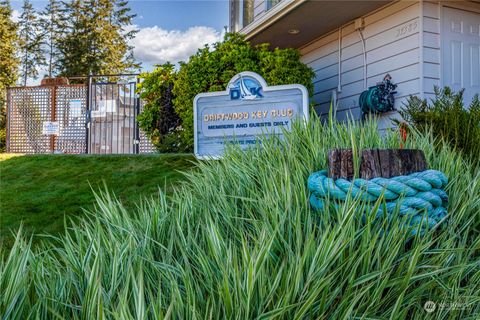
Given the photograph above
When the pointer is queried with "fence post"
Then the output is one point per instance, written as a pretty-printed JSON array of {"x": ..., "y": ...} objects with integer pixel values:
[
  {"x": 7, "y": 138},
  {"x": 137, "y": 112},
  {"x": 87, "y": 114},
  {"x": 53, "y": 114}
]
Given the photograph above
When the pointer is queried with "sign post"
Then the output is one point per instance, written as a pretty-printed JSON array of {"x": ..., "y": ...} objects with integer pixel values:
[{"x": 248, "y": 109}]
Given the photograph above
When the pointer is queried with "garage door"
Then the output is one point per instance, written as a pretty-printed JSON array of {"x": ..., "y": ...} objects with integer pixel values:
[{"x": 461, "y": 51}]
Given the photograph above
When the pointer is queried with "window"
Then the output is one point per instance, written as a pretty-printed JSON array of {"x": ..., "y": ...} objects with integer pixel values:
[{"x": 272, "y": 3}]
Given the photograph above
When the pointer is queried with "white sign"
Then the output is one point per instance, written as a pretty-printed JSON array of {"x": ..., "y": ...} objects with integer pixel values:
[
  {"x": 51, "y": 127},
  {"x": 107, "y": 106},
  {"x": 104, "y": 106},
  {"x": 75, "y": 106},
  {"x": 248, "y": 109}
]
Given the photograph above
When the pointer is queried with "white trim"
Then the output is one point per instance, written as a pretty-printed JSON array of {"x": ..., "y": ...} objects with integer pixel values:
[
  {"x": 265, "y": 88},
  {"x": 241, "y": 4},
  {"x": 462, "y": 5},
  {"x": 441, "y": 20},
  {"x": 421, "y": 53}
]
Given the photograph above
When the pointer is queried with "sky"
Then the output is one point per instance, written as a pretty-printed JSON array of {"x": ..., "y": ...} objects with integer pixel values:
[{"x": 169, "y": 30}]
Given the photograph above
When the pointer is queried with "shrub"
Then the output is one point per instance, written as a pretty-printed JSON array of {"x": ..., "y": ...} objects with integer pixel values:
[
  {"x": 158, "y": 119},
  {"x": 3, "y": 127},
  {"x": 239, "y": 241},
  {"x": 3, "y": 118},
  {"x": 448, "y": 119},
  {"x": 212, "y": 69}
]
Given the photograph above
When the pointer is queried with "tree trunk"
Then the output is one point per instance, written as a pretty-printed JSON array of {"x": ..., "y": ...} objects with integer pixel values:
[{"x": 374, "y": 163}]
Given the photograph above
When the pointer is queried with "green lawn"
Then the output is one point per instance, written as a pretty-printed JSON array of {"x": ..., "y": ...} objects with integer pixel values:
[
  {"x": 39, "y": 191},
  {"x": 240, "y": 240}
]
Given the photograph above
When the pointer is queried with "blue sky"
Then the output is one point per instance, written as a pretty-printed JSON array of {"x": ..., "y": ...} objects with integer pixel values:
[
  {"x": 180, "y": 15},
  {"x": 170, "y": 30}
]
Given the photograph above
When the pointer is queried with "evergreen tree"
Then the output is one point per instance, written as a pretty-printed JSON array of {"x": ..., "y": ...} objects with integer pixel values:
[
  {"x": 52, "y": 28},
  {"x": 97, "y": 38},
  {"x": 8, "y": 42},
  {"x": 8, "y": 61},
  {"x": 123, "y": 20},
  {"x": 73, "y": 47},
  {"x": 30, "y": 43}
]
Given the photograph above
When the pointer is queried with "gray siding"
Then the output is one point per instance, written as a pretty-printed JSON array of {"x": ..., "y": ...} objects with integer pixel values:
[
  {"x": 260, "y": 7},
  {"x": 392, "y": 44}
]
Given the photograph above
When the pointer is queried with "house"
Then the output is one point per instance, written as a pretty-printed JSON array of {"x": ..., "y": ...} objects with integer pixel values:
[{"x": 352, "y": 45}]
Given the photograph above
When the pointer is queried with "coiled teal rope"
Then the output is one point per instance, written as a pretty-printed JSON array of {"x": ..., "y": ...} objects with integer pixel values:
[{"x": 414, "y": 194}]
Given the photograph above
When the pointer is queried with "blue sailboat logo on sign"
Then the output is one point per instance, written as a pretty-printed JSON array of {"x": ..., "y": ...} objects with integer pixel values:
[{"x": 245, "y": 88}]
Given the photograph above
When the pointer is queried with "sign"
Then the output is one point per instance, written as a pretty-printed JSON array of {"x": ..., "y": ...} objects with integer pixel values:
[
  {"x": 75, "y": 107},
  {"x": 104, "y": 106},
  {"x": 107, "y": 106},
  {"x": 75, "y": 112},
  {"x": 247, "y": 109},
  {"x": 51, "y": 127}
]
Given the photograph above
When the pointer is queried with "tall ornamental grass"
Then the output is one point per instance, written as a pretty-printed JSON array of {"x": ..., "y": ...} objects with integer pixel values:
[{"x": 238, "y": 240}]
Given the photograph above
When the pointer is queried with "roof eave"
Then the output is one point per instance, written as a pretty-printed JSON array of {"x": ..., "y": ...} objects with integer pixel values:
[{"x": 270, "y": 17}]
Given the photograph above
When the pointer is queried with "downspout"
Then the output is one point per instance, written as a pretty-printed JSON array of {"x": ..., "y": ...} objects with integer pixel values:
[
  {"x": 360, "y": 26},
  {"x": 335, "y": 93},
  {"x": 339, "y": 87},
  {"x": 364, "y": 59}
]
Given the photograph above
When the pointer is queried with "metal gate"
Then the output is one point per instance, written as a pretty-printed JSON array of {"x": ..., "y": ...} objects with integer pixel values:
[
  {"x": 97, "y": 118},
  {"x": 113, "y": 107}
]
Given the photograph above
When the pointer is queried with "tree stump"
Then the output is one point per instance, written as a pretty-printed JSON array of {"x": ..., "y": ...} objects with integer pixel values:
[
  {"x": 340, "y": 163},
  {"x": 374, "y": 163}
]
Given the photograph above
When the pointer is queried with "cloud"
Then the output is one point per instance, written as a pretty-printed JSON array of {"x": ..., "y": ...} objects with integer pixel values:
[
  {"x": 15, "y": 15},
  {"x": 154, "y": 45}
]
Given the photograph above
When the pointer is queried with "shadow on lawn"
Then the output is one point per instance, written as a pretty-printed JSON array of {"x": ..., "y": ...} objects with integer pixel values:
[{"x": 43, "y": 191}]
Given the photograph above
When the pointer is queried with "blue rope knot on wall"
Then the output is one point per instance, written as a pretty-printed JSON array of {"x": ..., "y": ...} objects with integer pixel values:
[{"x": 414, "y": 194}]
